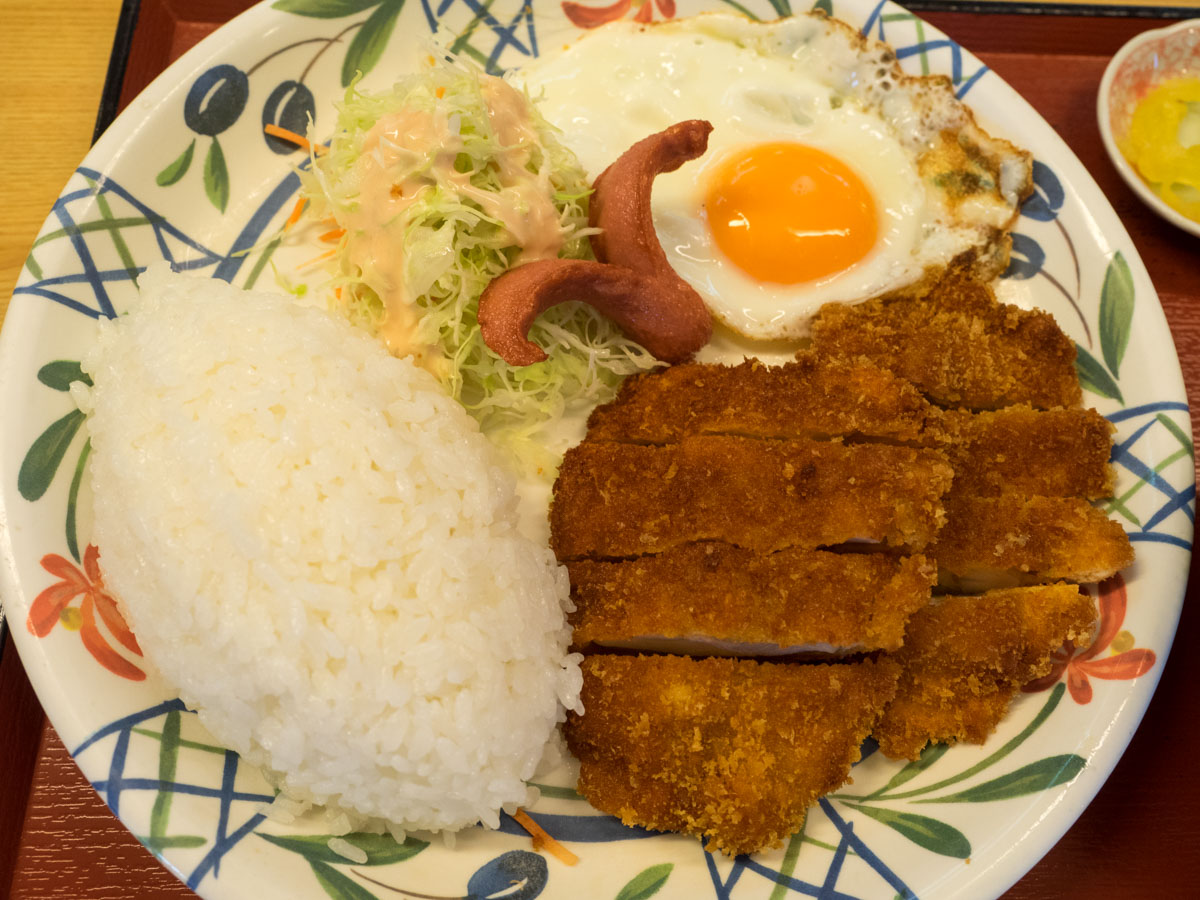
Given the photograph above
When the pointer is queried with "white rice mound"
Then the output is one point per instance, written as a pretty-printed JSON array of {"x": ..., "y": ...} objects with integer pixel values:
[{"x": 316, "y": 546}]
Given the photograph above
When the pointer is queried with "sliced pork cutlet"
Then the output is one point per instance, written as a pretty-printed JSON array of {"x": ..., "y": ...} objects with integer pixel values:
[
  {"x": 1012, "y": 540},
  {"x": 720, "y": 600},
  {"x": 813, "y": 397},
  {"x": 732, "y": 750},
  {"x": 964, "y": 659},
  {"x": 958, "y": 345},
  {"x": 1021, "y": 450},
  {"x": 626, "y": 500}
]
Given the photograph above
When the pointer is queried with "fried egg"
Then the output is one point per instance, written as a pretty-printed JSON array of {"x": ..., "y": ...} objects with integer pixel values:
[{"x": 829, "y": 176}]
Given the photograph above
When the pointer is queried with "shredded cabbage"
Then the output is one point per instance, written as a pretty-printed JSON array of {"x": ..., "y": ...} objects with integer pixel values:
[{"x": 430, "y": 246}]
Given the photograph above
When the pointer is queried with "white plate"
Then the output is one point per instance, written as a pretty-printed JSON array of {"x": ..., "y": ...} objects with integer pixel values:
[{"x": 911, "y": 829}]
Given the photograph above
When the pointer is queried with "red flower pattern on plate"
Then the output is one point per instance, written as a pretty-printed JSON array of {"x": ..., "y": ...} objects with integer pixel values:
[
  {"x": 1082, "y": 664},
  {"x": 53, "y": 605},
  {"x": 595, "y": 16}
]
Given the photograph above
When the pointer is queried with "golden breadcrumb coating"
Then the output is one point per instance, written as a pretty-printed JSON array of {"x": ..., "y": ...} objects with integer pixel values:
[
  {"x": 958, "y": 345},
  {"x": 1020, "y": 450},
  {"x": 813, "y": 397},
  {"x": 721, "y": 594},
  {"x": 729, "y": 749},
  {"x": 990, "y": 541},
  {"x": 689, "y": 518},
  {"x": 623, "y": 500},
  {"x": 964, "y": 659}
]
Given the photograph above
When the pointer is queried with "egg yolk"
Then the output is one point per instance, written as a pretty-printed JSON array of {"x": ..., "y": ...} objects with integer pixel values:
[{"x": 790, "y": 213}]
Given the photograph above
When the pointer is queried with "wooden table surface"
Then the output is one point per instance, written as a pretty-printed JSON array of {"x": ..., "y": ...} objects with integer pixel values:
[{"x": 1141, "y": 835}]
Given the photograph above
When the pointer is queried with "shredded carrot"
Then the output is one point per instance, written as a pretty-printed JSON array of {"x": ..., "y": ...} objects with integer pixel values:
[
  {"x": 441, "y": 92},
  {"x": 332, "y": 235},
  {"x": 298, "y": 139},
  {"x": 297, "y": 211},
  {"x": 542, "y": 839},
  {"x": 337, "y": 292},
  {"x": 316, "y": 259}
]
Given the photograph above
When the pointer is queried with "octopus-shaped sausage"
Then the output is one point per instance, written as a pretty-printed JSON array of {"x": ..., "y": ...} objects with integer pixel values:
[{"x": 631, "y": 282}]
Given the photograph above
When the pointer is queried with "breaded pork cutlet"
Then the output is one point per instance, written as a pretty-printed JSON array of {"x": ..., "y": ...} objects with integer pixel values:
[
  {"x": 717, "y": 599},
  {"x": 964, "y": 659},
  {"x": 1009, "y": 540},
  {"x": 813, "y": 397},
  {"x": 625, "y": 500},
  {"x": 729, "y": 749},
  {"x": 958, "y": 345},
  {"x": 1021, "y": 450}
]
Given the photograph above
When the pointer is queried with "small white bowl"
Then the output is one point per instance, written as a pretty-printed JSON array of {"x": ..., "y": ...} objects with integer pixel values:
[{"x": 1150, "y": 58}]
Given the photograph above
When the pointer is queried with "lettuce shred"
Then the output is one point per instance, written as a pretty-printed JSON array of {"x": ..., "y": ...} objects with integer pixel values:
[{"x": 451, "y": 248}]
